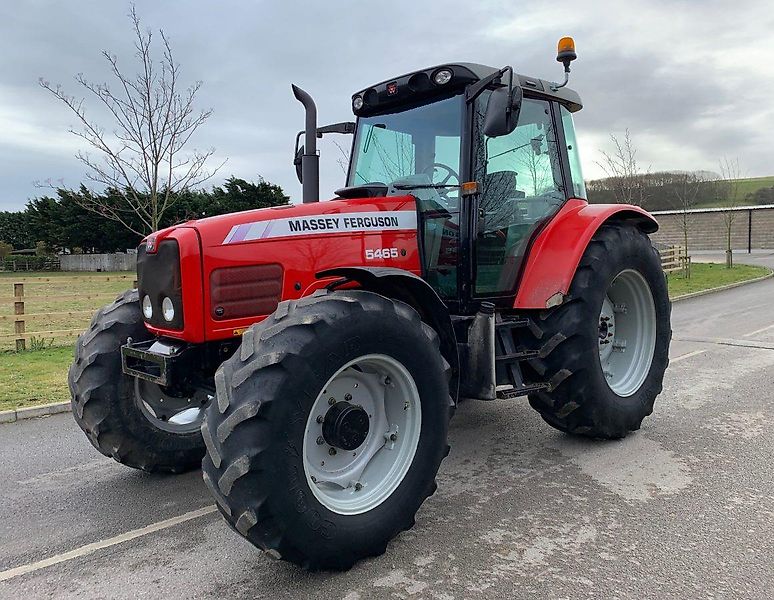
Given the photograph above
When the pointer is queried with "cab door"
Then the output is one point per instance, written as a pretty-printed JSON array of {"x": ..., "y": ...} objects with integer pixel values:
[{"x": 522, "y": 184}]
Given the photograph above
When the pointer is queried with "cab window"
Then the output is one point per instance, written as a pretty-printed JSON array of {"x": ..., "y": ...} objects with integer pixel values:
[{"x": 576, "y": 173}]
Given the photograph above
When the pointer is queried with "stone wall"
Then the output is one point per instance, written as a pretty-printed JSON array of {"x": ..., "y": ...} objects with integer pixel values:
[{"x": 707, "y": 228}]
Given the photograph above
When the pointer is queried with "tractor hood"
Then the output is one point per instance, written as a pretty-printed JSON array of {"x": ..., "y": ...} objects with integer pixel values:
[
  {"x": 331, "y": 218},
  {"x": 236, "y": 268}
]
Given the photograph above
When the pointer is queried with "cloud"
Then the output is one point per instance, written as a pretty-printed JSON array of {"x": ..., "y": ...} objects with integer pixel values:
[{"x": 690, "y": 79}]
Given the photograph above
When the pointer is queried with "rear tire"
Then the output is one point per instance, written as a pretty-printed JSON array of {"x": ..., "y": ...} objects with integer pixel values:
[
  {"x": 261, "y": 462},
  {"x": 590, "y": 394},
  {"x": 104, "y": 399}
]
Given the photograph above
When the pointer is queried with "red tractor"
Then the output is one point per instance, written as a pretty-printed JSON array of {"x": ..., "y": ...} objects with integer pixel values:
[{"x": 313, "y": 354}]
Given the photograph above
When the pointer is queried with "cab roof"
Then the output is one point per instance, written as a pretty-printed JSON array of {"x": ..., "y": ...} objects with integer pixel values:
[{"x": 402, "y": 89}]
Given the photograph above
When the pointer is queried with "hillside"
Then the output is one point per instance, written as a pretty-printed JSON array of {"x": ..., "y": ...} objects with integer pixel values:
[
  {"x": 748, "y": 187},
  {"x": 661, "y": 191}
]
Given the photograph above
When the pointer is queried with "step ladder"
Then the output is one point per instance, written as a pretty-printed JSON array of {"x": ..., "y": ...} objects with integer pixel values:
[{"x": 510, "y": 356}]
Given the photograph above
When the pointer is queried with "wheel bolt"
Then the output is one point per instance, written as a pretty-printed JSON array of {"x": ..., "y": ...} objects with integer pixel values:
[
  {"x": 331, "y": 401},
  {"x": 320, "y": 441},
  {"x": 393, "y": 437},
  {"x": 387, "y": 381},
  {"x": 347, "y": 397},
  {"x": 320, "y": 418},
  {"x": 358, "y": 487},
  {"x": 332, "y": 451}
]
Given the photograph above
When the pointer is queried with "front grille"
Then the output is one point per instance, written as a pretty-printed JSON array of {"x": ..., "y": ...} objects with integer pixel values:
[
  {"x": 245, "y": 291},
  {"x": 158, "y": 276}
]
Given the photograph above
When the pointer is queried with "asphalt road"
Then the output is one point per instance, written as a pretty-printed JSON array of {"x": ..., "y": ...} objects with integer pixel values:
[{"x": 682, "y": 509}]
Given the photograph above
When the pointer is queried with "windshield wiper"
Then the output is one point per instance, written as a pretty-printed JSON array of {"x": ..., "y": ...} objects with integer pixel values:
[
  {"x": 370, "y": 135},
  {"x": 424, "y": 186}
]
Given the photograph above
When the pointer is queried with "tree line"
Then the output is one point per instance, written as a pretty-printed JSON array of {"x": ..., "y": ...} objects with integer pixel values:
[{"x": 61, "y": 223}]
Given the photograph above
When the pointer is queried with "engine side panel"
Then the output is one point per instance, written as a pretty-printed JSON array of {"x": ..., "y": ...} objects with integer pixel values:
[{"x": 557, "y": 250}]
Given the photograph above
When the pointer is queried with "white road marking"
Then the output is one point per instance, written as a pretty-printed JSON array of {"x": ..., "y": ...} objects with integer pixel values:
[
  {"x": 726, "y": 342},
  {"x": 684, "y": 356},
  {"x": 113, "y": 541},
  {"x": 757, "y": 331}
]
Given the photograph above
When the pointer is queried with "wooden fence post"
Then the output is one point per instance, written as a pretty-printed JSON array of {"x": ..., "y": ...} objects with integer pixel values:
[{"x": 18, "y": 309}]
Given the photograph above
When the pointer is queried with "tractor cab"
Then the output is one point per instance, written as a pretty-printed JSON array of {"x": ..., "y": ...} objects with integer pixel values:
[{"x": 490, "y": 157}]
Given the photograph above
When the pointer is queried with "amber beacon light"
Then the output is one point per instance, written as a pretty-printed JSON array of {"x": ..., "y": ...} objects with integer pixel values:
[
  {"x": 565, "y": 51},
  {"x": 565, "y": 54}
]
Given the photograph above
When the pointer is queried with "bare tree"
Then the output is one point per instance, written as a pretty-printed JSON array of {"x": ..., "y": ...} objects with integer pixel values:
[
  {"x": 144, "y": 161},
  {"x": 622, "y": 170},
  {"x": 343, "y": 160},
  {"x": 686, "y": 188},
  {"x": 538, "y": 165},
  {"x": 730, "y": 174}
]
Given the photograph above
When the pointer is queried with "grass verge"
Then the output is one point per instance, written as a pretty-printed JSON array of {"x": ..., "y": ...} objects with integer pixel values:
[
  {"x": 706, "y": 276},
  {"x": 33, "y": 378}
]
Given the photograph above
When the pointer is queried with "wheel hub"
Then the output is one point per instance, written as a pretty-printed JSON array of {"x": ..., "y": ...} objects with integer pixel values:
[{"x": 345, "y": 426}]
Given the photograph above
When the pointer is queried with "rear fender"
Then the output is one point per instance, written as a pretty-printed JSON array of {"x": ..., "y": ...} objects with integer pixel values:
[
  {"x": 557, "y": 250},
  {"x": 414, "y": 291}
]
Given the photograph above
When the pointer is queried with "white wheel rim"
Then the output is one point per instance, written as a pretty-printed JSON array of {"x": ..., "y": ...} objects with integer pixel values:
[
  {"x": 627, "y": 333},
  {"x": 355, "y": 481},
  {"x": 170, "y": 413}
]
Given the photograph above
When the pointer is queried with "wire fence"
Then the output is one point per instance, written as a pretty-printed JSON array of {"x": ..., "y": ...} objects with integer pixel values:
[{"x": 63, "y": 311}]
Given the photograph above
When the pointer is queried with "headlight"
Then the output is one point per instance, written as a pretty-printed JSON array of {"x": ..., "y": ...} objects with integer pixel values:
[
  {"x": 168, "y": 309},
  {"x": 147, "y": 307},
  {"x": 357, "y": 102},
  {"x": 442, "y": 76}
]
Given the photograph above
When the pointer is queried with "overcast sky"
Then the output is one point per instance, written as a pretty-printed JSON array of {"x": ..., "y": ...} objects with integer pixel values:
[{"x": 692, "y": 80}]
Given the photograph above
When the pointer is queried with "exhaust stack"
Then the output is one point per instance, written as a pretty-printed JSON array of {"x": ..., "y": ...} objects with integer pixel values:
[{"x": 310, "y": 162}]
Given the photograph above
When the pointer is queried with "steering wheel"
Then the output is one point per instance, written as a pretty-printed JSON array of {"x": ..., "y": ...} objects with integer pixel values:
[
  {"x": 443, "y": 192},
  {"x": 449, "y": 173}
]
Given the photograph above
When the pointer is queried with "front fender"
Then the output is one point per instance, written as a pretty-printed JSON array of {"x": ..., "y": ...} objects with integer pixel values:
[
  {"x": 557, "y": 250},
  {"x": 414, "y": 291}
]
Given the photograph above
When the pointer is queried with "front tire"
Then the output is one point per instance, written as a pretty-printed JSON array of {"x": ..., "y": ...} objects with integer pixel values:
[
  {"x": 108, "y": 405},
  {"x": 281, "y": 473},
  {"x": 604, "y": 351}
]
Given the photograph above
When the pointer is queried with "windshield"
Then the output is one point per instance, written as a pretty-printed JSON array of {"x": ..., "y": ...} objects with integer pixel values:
[
  {"x": 417, "y": 147},
  {"x": 418, "y": 152}
]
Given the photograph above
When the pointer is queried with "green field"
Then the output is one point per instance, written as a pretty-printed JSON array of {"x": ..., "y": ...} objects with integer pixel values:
[
  {"x": 745, "y": 187},
  {"x": 64, "y": 301},
  {"x": 752, "y": 184}
]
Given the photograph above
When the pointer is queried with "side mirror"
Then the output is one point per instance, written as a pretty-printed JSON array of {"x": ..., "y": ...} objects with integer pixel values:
[
  {"x": 297, "y": 163},
  {"x": 345, "y": 127},
  {"x": 502, "y": 112}
]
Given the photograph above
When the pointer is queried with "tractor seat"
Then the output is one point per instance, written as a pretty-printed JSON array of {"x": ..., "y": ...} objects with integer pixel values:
[{"x": 498, "y": 192}]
